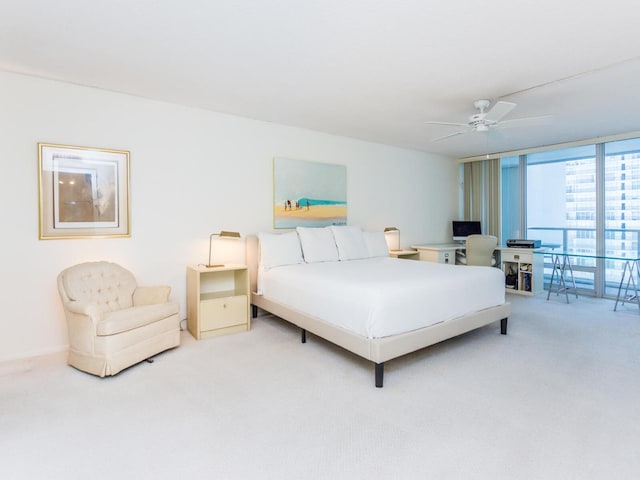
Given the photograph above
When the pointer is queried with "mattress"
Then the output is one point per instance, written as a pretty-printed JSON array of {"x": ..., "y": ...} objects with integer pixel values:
[{"x": 379, "y": 297}]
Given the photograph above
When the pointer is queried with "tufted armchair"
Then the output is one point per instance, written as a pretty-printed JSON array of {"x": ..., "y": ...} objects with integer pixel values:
[{"x": 112, "y": 322}]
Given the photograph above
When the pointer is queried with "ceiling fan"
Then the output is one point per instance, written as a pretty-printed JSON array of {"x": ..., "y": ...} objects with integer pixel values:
[{"x": 483, "y": 120}]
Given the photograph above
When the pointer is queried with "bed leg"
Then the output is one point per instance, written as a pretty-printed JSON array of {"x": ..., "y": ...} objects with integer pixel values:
[
  {"x": 503, "y": 326},
  {"x": 379, "y": 374},
  {"x": 254, "y": 311},
  {"x": 303, "y": 335}
]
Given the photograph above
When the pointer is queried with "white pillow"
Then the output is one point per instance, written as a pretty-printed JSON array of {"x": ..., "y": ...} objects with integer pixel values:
[
  {"x": 318, "y": 244},
  {"x": 376, "y": 244},
  {"x": 350, "y": 243},
  {"x": 278, "y": 249}
]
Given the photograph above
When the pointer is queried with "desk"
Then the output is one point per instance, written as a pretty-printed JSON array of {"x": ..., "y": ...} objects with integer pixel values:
[
  {"x": 446, "y": 252},
  {"x": 524, "y": 271},
  {"x": 439, "y": 252},
  {"x": 562, "y": 280}
]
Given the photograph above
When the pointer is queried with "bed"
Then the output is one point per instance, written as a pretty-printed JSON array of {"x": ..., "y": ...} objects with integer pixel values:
[{"x": 340, "y": 284}]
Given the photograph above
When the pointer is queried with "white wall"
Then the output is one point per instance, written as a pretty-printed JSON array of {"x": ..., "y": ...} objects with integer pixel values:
[{"x": 193, "y": 172}]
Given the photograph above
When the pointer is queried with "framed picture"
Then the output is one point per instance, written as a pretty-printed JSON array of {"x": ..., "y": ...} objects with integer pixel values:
[
  {"x": 83, "y": 192},
  {"x": 308, "y": 194}
]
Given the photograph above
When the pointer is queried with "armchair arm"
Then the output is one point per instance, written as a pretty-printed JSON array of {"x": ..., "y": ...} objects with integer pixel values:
[
  {"x": 82, "y": 319},
  {"x": 91, "y": 310},
  {"x": 151, "y": 295}
]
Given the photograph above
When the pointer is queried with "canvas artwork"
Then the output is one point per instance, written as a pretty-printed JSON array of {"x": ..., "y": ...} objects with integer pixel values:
[{"x": 308, "y": 194}]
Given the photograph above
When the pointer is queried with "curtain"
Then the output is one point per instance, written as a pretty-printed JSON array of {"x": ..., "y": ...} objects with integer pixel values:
[{"x": 482, "y": 194}]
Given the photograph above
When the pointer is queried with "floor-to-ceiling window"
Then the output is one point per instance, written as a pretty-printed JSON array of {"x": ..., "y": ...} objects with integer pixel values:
[
  {"x": 561, "y": 205},
  {"x": 621, "y": 207},
  {"x": 586, "y": 199}
]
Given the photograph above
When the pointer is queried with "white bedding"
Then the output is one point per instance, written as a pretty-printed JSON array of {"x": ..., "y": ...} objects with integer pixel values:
[{"x": 378, "y": 297}]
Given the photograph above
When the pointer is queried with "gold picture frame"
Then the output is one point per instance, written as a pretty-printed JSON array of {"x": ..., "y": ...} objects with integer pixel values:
[{"x": 83, "y": 192}]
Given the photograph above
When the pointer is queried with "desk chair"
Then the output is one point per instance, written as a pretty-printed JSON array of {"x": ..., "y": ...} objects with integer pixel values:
[{"x": 480, "y": 249}]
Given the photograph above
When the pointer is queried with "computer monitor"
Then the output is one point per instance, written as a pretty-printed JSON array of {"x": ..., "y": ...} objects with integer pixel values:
[{"x": 462, "y": 229}]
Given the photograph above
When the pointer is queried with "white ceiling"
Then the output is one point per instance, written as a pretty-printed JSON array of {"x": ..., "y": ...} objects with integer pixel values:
[{"x": 374, "y": 70}]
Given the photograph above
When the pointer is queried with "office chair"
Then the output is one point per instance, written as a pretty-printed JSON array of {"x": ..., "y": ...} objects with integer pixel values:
[{"x": 480, "y": 249}]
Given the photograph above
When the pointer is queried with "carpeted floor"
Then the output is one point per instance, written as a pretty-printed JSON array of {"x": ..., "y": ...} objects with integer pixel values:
[{"x": 557, "y": 398}]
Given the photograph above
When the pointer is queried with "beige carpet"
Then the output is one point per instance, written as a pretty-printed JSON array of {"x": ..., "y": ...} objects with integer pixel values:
[{"x": 557, "y": 398}]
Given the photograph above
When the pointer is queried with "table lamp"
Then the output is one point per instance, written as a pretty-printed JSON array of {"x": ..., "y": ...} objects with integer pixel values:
[
  {"x": 392, "y": 231},
  {"x": 222, "y": 234}
]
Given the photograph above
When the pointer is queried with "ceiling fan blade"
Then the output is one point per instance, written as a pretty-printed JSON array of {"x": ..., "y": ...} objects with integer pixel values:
[
  {"x": 526, "y": 121},
  {"x": 499, "y": 110},
  {"x": 447, "y": 123},
  {"x": 450, "y": 135}
]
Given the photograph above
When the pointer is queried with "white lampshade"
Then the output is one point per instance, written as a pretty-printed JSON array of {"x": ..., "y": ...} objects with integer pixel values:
[
  {"x": 392, "y": 236},
  {"x": 222, "y": 234}
]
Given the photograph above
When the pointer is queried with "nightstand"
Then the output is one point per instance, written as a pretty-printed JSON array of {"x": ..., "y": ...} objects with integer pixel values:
[
  {"x": 408, "y": 254},
  {"x": 217, "y": 300}
]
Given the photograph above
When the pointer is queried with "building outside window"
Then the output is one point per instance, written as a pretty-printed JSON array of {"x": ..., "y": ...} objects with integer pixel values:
[
  {"x": 621, "y": 206},
  {"x": 554, "y": 196}
]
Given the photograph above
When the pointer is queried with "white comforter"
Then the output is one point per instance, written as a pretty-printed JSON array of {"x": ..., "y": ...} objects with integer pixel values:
[{"x": 378, "y": 297}]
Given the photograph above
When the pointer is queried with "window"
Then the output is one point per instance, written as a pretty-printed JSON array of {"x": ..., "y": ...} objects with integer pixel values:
[
  {"x": 622, "y": 207},
  {"x": 558, "y": 197},
  {"x": 561, "y": 204}
]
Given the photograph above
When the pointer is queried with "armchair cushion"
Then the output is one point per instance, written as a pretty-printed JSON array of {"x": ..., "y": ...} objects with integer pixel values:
[{"x": 120, "y": 321}]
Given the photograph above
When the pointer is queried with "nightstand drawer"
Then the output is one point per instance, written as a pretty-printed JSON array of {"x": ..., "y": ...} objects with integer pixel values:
[
  {"x": 522, "y": 257},
  {"x": 223, "y": 312}
]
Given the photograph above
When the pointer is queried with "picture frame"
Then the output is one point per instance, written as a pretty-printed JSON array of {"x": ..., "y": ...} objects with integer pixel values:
[
  {"x": 308, "y": 194},
  {"x": 83, "y": 192}
]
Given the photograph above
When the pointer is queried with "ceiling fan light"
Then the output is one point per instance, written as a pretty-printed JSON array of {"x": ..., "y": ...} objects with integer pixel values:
[
  {"x": 482, "y": 128},
  {"x": 482, "y": 105}
]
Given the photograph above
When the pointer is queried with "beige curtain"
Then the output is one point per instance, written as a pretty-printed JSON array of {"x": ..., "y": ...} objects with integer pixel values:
[{"x": 482, "y": 194}]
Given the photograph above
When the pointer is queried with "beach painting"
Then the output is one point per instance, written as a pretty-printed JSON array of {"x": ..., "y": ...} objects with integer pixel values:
[{"x": 308, "y": 194}]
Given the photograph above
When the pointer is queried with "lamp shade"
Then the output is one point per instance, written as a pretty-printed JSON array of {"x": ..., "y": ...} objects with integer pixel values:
[
  {"x": 389, "y": 233},
  {"x": 222, "y": 234},
  {"x": 226, "y": 234}
]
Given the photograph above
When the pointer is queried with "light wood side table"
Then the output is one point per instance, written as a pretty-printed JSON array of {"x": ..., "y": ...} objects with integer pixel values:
[
  {"x": 217, "y": 300},
  {"x": 407, "y": 254}
]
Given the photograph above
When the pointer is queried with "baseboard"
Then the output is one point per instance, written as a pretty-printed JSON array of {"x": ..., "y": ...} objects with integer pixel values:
[
  {"x": 30, "y": 355},
  {"x": 15, "y": 366}
]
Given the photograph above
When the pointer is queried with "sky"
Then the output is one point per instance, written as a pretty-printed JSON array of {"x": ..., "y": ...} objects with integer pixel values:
[{"x": 294, "y": 179}]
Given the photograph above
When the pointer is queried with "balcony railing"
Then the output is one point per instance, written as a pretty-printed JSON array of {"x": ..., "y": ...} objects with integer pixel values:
[{"x": 599, "y": 277}]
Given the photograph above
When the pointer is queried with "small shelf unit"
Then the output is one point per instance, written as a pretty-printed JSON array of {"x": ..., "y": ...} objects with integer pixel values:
[
  {"x": 523, "y": 270},
  {"x": 217, "y": 300}
]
